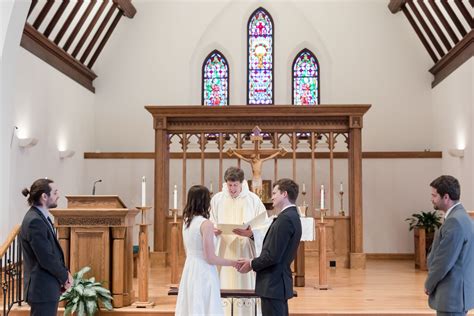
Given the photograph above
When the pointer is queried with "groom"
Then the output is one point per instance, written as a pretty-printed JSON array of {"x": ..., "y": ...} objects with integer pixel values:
[{"x": 274, "y": 283}]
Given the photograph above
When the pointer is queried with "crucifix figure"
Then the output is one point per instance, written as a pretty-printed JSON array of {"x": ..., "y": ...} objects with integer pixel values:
[{"x": 256, "y": 157}]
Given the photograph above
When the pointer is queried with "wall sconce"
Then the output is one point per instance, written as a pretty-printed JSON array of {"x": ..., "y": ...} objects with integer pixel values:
[
  {"x": 27, "y": 142},
  {"x": 456, "y": 153},
  {"x": 66, "y": 153}
]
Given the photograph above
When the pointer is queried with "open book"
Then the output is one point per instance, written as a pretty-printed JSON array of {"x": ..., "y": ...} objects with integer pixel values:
[{"x": 258, "y": 221}]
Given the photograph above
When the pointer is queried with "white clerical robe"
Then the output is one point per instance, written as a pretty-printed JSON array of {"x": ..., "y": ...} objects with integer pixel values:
[{"x": 238, "y": 211}]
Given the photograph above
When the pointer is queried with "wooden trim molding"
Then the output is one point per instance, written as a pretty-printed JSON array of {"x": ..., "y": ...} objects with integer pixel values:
[
  {"x": 337, "y": 155},
  {"x": 390, "y": 256},
  {"x": 460, "y": 53},
  {"x": 40, "y": 46}
]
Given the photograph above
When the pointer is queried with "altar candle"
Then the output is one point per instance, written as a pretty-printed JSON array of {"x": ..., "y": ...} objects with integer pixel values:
[
  {"x": 175, "y": 197},
  {"x": 304, "y": 188},
  {"x": 143, "y": 191},
  {"x": 210, "y": 188},
  {"x": 341, "y": 188},
  {"x": 322, "y": 197}
]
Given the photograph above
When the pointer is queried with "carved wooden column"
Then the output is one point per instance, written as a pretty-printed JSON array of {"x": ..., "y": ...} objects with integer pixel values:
[
  {"x": 161, "y": 183},
  {"x": 357, "y": 257},
  {"x": 118, "y": 265}
]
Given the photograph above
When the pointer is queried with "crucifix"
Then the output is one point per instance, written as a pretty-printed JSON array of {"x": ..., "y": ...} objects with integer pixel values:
[{"x": 256, "y": 157}]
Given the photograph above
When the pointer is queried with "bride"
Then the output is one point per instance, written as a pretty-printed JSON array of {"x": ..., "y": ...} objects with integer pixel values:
[{"x": 199, "y": 289}]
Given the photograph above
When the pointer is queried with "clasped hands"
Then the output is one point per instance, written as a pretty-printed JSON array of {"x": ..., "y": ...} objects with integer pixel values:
[
  {"x": 242, "y": 265},
  {"x": 66, "y": 286}
]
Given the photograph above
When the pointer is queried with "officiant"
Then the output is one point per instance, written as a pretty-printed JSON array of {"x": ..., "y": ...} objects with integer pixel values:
[{"x": 237, "y": 205}]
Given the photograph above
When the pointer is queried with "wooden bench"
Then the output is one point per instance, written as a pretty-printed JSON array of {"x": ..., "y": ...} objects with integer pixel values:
[{"x": 233, "y": 294}]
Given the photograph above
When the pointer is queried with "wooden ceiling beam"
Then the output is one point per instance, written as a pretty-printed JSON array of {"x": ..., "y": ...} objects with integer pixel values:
[
  {"x": 426, "y": 28},
  {"x": 420, "y": 34},
  {"x": 39, "y": 19},
  {"x": 443, "y": 20},
  {"x": 68, "y": 22},
  {"x": 105, "y": 39},
  {"x": 97, "y": 34},
  {"x": 126, "y": 7},
  {"x": 435, "y": 25},
  {"x": 32, "y": 6},
  {"x": 462, "y": 8},
  {"x": 55, "y": 18},
  {"x": 88, "y": 31},
  {"x": 79, "y": 24},
  {"x": 454, "y": 17}
]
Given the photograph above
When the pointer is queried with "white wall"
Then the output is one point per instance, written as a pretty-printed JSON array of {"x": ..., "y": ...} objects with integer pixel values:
[
  {"x": 452, "y": 121},
  {"x": 49, "y": 106},
  {"x": 156, "y": 58}
]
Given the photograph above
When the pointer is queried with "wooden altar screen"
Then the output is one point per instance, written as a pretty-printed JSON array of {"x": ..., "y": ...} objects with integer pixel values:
[{"x": 272, "y": 119}]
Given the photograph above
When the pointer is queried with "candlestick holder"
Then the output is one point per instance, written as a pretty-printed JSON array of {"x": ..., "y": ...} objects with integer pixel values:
[
  {"x": 341, "y": 210},
  {"x": 143, "y": 210},
  {"x": 174, "y": 211},
  {"x": 303, "y": 209},
  {"x": 322, "y": 213}
]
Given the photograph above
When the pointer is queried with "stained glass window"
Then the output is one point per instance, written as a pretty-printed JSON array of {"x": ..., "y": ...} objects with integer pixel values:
[
  {"x": 305, "y": 79},
  {"x": 260, "y": 58},
  {"x": 215, "y": 80}
]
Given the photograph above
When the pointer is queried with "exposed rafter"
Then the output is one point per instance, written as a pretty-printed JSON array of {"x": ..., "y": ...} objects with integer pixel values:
[
  {"x": 433, "y": 32},
  {"x": 88, "y": 25}
]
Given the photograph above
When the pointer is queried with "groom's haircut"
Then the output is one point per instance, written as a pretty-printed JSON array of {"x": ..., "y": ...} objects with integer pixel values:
[
  {"x": 234, "y": 174},
  {"x": 290, "y": 187},
  {"x": 447, "y": 185}
]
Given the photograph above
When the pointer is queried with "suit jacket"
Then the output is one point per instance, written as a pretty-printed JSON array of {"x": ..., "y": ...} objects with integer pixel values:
[
  {"x": 450, "y": 280},
  {"x": 43, "y": 259},
  {"x": 274, "y": 279}
]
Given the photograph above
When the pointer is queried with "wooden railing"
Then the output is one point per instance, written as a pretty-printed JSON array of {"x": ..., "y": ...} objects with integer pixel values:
[{"x": 11, "y": 276}]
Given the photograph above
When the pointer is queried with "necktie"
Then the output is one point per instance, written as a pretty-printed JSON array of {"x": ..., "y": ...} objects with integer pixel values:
[{"x": 52, "y": 226}]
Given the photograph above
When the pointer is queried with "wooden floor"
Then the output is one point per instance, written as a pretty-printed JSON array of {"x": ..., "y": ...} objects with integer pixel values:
[{"x": 385, "y": 287}]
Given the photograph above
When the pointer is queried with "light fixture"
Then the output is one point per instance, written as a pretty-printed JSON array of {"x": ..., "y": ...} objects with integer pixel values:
[
  {"x": 66, "y": 153},
  {"x": 27, "y": 142},
  {"x": 456, "y": 152}
]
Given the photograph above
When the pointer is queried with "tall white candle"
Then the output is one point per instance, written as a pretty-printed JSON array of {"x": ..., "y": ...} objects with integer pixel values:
[
  {"x": 341, "y": 188},
  {"x": 143, "y": 191},
  {"x": 322, "y": 197},
  {"x": 304, "y": 188},
  {"x": 175, "y": 197},
  {"x": 210, "y": 188}
]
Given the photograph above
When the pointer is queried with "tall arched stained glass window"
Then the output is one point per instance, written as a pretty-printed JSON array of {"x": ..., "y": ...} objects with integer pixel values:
[
  {"x": 305, "y": 79},
  {"x": 260, "y": 58},
  {"x": 215, "y": 79}
]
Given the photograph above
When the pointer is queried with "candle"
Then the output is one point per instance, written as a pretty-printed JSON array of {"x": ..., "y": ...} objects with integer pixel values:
[
  {"x": 143, "y": 191},
  {"x": 322, "y": 197},
  {"x": 210, "y": 188},
  {"x": 175, "y": 197},
  {"x": 304, "y": 188},
  {"x": 341, "y": 188}
]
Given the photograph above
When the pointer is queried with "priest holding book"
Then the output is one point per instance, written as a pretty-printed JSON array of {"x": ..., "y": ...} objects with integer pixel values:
[{"x": 237, "y": 205}]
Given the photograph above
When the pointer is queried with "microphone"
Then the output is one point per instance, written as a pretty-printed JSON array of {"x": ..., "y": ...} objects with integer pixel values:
[{"x": 93, "y": 188}]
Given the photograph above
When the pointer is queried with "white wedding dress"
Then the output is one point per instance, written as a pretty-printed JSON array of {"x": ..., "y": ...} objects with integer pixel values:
[{"x": 199, "y": 290}]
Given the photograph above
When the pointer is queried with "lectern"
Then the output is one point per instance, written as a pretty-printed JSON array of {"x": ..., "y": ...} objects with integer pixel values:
[{"x": 97, "y": 231}]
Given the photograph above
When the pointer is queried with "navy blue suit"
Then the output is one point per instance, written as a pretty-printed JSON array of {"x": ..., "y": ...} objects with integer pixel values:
[{"x": 44, "y": 270}]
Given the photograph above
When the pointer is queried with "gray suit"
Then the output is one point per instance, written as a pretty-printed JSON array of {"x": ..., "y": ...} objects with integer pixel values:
[{"x": 450, "y": 280}]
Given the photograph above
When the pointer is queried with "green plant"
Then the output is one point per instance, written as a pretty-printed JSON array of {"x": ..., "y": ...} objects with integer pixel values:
[
  {"x": 430, "y": 221},
  {"x": 84, "y": 295}
]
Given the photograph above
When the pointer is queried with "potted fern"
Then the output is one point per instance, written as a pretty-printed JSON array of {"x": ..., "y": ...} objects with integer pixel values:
[
  {"x": 424, "y": 224},
  {"x": 84, "y": 296}
]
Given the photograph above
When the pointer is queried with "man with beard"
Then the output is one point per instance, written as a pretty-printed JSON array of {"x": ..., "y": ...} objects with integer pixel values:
[
  {"x": 450, "y": 281},
  {"x": 45, "y": 274}
]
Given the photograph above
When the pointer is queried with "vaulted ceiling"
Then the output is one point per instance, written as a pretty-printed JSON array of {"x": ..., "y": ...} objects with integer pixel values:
[
  {"x": 445, "y": 28},
  {"x": 70, "y": 34}
]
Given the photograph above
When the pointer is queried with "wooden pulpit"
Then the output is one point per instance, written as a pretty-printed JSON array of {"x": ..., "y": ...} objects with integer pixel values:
[{"x": 97, "y": 231}]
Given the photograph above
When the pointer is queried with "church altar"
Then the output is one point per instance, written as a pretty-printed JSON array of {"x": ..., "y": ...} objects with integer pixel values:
[{"x": 233, "y": 124}]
